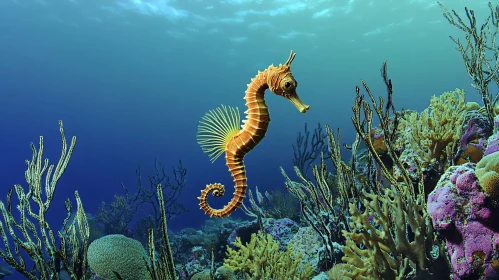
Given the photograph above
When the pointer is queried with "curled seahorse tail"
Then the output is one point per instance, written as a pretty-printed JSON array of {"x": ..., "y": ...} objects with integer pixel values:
[
  {"x": 218, "y": 190},
  {"x": 236, "y": 168}
]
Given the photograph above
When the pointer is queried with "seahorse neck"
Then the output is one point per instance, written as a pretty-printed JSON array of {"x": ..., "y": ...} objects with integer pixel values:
[
  {"x": 257, "y": 86},
  {"x": 255, "y": 101}
]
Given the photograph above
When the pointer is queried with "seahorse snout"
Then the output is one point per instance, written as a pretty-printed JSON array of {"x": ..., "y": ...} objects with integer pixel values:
[{"x": 302, "y": 107}]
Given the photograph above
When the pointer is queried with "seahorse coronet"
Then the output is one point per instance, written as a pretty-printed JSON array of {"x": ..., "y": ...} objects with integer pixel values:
[{"x": 239, "y": 143}]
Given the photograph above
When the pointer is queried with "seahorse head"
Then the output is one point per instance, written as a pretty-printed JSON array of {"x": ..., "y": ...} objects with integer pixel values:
[{"x": 281, "y": 82}]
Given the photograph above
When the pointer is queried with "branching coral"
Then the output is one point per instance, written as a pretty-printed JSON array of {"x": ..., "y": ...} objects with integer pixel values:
[
  {"x": 261, "y": 259},
  {"x": 480, "y": 52},
  {"x": 277, "y": 205},
  {"x": 172, "y": 187},
  {"x": 322, "y": 208},
  {"x": 160, "y": 264},
  {"x": 308, "y": 149},
  {"x": 434, "y": 133},
  {"x": 117, "y": 216},
  {"x": 31, "y": 234},
  {"x": 379, "y": 246},
  {"x": 391, "y": 234}
]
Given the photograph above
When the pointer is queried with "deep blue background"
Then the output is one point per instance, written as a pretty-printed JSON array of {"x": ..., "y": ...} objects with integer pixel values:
[{"x": 131, "y": 79}]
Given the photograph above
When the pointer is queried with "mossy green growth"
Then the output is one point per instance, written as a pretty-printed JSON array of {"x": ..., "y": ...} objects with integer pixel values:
[{"x": 261, "y": 259}]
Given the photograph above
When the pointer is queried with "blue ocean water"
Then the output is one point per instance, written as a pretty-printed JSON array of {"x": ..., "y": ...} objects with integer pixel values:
[{"x": 131, "y": 79}]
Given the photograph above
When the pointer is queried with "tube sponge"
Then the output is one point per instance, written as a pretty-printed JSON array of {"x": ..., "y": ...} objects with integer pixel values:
[{"x": 117, "y": 253}]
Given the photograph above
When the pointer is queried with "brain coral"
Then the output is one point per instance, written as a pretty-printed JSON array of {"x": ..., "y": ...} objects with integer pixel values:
[{"x": 117, "y": 253}]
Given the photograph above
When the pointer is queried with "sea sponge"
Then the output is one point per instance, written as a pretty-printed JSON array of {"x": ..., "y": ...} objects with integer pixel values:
[
  {"x": 308, "y": 243},
  {"x": 465, "y": 219},
  {"x": 487, "y": 172},
  {"x": 202, "y": 275},
  {"x": 472, "y": 106},
  {"x": 117, "y": 253}
]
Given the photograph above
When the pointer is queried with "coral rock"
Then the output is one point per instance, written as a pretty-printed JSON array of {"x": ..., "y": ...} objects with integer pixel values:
[{"x": 462, "y": 213}]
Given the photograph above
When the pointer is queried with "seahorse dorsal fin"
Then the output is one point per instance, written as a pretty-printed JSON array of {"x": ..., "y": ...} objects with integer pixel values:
[{"x": 216, "y": 128}]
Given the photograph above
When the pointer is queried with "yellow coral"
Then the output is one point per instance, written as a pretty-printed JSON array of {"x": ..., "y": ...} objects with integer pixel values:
[
  {"x": 433, "y": 132},
  {"x": 487, "y": 172},
  {"x": 337, "y": 272},
  {"x": 261, "y": 259},
  {"x": 378, "y": 245}
]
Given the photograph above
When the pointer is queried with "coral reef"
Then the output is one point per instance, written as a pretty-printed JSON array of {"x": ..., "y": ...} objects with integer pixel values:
[
  {"x": 196, "y": 260},
  {"x": 388, "y": 234},
  {"x": 418, "y": 197}
]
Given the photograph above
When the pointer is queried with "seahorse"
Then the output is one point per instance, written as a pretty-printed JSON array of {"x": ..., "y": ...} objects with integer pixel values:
[{"x": 220, "y": 131}]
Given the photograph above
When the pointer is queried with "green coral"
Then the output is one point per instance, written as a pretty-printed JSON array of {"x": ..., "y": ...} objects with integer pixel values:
[
  {"x": 117, "y": 253},
  {"x": 261, "y": 259},
  {"x": 29, "y": 243}
]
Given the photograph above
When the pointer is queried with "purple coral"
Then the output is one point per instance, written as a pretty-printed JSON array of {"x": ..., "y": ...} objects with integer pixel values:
[
  {"x": 281, "y": 230},
  {"x": 493, "y": 142},
  {"x": 462, "y": 214},
  {"x": 477, "y": 132}
]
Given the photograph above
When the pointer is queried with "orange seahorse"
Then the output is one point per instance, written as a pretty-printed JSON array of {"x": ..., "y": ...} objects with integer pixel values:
[{"x": 219, "y": 131}]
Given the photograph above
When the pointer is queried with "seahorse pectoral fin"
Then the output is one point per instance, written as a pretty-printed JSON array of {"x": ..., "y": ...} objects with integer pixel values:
[
  {"x": 302, "y": 107},
  {"x": 216, "y": 128}
]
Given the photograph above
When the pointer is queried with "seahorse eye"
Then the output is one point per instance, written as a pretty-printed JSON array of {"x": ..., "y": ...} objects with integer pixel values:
[{"x": 287, "y": 85}]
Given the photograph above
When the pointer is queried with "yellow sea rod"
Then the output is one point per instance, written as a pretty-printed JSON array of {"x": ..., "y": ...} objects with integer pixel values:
[{"x": 219, "y": 131}]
